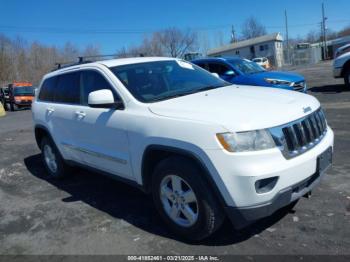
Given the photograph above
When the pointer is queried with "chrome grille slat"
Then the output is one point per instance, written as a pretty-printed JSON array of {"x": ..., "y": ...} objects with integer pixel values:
[
  {"x": 294, "y": 138},
  {"x": 315, "y": 126},
  {"x": 301, "y": 135},
  {"x": 319, "y": 124},
  {"x": 309, "y": 128}
]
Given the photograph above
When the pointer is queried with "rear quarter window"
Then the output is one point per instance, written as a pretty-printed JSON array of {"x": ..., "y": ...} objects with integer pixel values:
[{"x": 47, "y": 89}]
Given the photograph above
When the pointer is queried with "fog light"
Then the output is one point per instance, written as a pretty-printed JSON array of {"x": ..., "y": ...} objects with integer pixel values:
[{"x": 265, "y": 185}]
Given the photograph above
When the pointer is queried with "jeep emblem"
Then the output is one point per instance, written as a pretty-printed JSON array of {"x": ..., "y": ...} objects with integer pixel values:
[{"x": 306, "y": 109}]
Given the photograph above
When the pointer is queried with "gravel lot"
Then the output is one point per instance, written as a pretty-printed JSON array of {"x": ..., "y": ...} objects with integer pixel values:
[{"x": 92, "y": 214}]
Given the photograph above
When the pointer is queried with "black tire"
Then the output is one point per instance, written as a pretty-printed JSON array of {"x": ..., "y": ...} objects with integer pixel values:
[
  {"x": 210, "y": 215},
  {"x": 62, "y": 169},
  {"x": 347, "y": 77},
  {"x": 12, "y": 107}
]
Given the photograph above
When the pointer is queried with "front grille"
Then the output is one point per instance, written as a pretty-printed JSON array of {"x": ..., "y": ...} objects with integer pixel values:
[
  {"x": 301, "y": 135},
  {"x": 298, "y": 86}
]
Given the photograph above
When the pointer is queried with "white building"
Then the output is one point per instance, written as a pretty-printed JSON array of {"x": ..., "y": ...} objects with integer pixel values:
[{"x": 269, "y": 46}]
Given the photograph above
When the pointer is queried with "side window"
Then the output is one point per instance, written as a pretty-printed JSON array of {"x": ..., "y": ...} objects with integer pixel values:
[
  {"x": 47, "y": 89},
  {"x": 93, "y": 81},
  {"x": 68, "y": 89},
  {"x": 220, "y": 69},
  {"x": 204, "y": 66}
]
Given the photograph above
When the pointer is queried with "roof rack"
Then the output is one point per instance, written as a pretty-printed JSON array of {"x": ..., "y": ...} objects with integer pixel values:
[{"x": 81, "y": 60}]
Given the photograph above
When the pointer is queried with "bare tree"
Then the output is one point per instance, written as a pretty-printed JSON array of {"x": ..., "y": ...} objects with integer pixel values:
[
  {"x": 345, "y": 31},
  {"x": 91, "y": 50},
  {"x": 313, "y": 36},
  {"x": 174, "y": 42},
  {"x": 252, "y": 28},
  {"x": 5, "y": 60},
  {"x": 169, "y": 42}
]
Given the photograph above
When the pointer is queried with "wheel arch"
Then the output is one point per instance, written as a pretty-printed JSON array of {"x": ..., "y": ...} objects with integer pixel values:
[
  {"x": 153, "y": 154},
  {"x": 41, "y": 131},
  {"x": 346, "y": 67}
]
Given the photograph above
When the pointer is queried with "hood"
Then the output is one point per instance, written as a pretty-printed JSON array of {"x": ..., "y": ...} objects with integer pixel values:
[
  {"x": 292, "y": 77},
  {"x": 238, "y": 108}
]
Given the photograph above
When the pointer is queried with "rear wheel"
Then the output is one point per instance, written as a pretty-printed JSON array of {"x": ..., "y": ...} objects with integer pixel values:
[
  {"x": 184, "y": 200},
  {"x": 52, "y": 159},
  {"x": 347, "y": 77}
]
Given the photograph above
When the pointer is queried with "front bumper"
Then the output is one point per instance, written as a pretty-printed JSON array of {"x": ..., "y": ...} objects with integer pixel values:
[
  {"x": 23, "y": 103},
  {"x": 244, "y": 216}
]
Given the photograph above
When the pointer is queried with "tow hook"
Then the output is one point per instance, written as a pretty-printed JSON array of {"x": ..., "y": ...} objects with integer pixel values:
[{"x": 308, "y": 194}]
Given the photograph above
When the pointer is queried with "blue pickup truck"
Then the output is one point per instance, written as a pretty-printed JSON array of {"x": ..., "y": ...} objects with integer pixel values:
[{"x": 245, "y": 72}]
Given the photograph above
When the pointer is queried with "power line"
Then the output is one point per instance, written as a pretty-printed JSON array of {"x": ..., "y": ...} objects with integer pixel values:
[{"x": 56, "y": 30}]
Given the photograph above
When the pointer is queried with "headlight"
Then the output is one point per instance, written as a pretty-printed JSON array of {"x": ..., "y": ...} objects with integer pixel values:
[
  {"x": 278, "y": 82},
  {"x": 246, "y": 141}
]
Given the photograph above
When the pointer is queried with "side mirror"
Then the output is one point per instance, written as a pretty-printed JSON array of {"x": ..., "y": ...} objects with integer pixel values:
[
  {"x": 104, "y": 99},
  {"x": 230, "y": 73},
  {"x": 216, "y": 75}
]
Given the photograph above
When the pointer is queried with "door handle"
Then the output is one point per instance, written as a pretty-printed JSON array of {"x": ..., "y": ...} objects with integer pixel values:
[
  {"x": 50, "y": 110},
  {"x": 80, "y": 114}
]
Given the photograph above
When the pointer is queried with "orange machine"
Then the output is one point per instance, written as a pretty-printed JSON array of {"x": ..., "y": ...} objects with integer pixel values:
[{"x": 19, "y": 94}]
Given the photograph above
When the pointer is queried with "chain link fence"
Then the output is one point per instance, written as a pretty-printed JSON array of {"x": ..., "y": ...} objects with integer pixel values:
[{"x": 302, "y": 56}]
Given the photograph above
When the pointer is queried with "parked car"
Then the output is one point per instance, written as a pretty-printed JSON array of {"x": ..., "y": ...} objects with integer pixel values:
[
  {"x": 262, "y": 61},
  {"x": 203, "y": 148},
  {"x": 18, "y": 95},
  {"x": 341, "y": 64},
  {"x": 245, "y": 72}
]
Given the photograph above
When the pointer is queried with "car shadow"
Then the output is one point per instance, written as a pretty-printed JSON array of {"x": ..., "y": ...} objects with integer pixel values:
[
  {"x": 329, "y": 89},
  {"x": 125, "y": 202}
]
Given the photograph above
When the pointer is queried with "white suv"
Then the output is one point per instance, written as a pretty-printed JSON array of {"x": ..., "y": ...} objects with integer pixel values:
[{"x": 204, "y": 148}]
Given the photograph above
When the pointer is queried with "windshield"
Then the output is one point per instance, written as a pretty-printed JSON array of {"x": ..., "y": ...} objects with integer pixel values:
[
  {"x": 257, "y": 60},
  {"x": 246, "y": 66},
  {"x": 161, "y": 80},
  {"x": 23, "y": 91}
]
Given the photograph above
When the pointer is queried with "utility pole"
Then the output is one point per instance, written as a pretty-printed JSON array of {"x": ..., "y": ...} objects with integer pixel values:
[
  {"x": 233, "y": 36},
  {"x": 287, "y": 37},
  {"x": 324, "y": 34}
]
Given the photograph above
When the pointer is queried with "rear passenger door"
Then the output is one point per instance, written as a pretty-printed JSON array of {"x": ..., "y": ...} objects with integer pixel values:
[
  {"x": 66, "y": 99},
  {"x": 100, "y": 132}
]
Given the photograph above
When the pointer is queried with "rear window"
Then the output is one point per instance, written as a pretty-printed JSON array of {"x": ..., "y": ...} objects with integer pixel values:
[
  {"x": 47, "y": 90},
  {"x": 68, "y": 89}
]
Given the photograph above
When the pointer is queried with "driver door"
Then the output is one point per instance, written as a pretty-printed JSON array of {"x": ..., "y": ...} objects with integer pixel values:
[{"x": 100, "y": 132}]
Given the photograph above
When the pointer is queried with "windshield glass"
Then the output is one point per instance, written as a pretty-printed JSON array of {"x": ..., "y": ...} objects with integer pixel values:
[
  {"x": 246, "y": 66},
  {"x": 161, "y": 80},
  {"x": 23, "y": 91},
  {"x": 257, "y": 60}
]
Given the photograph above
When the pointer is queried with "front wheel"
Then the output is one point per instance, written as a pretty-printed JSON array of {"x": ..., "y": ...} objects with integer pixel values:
[
  {"x": 184, "y": 200},
  {"x": 12, "y": 107}
]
